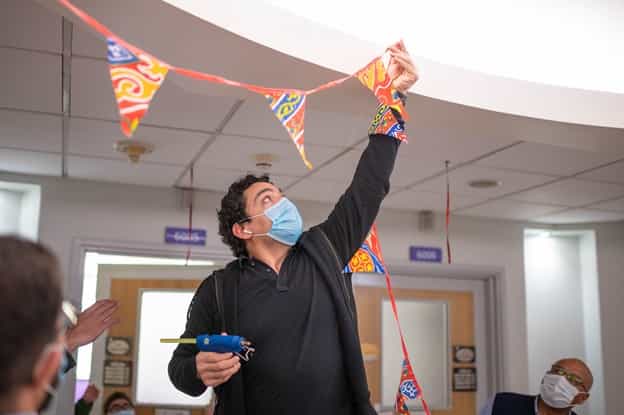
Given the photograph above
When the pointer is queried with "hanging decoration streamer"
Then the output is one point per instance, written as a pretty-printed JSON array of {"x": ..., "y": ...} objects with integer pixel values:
[
  {"x": 138, "y": 75},
  {"x": 370, "y": 259},
  {"x": 448, "y": 213},
  {"x": 190, "y": 221}
]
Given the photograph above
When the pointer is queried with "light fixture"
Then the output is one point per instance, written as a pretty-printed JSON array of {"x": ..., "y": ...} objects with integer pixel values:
[
  {"x": 134, "y": 149},
  {"x": 264, "y": 161},
  {"x": 484, "y": 183}
]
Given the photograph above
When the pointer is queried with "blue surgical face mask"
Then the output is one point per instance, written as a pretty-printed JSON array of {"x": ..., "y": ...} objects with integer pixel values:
[
  {"x": 286, "y": 222},
  {"x": 124, "y": 412}
]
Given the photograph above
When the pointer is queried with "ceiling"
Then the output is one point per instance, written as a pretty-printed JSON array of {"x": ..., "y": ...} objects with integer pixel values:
[{"x": 549, "y": 172}]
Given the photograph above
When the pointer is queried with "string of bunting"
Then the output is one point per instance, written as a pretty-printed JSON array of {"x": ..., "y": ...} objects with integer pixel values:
[
  {"x": 137, "y": 75},
  {"x": 370, "y": 259}
]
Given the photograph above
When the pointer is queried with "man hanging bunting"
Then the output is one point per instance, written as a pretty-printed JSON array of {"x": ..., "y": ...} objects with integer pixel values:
[{"x": 285, "y": 291}]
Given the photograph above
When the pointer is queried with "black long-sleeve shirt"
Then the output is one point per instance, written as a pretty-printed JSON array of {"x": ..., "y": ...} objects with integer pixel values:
[{"x": 290, "y": 317}]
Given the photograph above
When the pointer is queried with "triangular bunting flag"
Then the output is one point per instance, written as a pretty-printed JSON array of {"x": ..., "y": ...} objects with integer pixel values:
[
  {"x": 375, "y": 78},
  {"x": 135, "y": 82},
  {"x": 289, "y": 108},
  {"x": 368, "y": 258},
  {"x": 408, "y": 389}
]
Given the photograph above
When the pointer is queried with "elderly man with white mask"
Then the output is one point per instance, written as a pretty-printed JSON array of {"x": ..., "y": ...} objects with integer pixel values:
[{"x": 563, "y": 387}]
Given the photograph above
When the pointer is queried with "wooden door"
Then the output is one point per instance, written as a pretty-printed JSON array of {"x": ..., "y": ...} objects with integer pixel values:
[
  {"x": 124, "y": 284},
  {"x": 461, "y": 332}
]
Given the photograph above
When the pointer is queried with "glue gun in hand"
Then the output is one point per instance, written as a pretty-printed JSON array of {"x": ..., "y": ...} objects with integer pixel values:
[{"x": 219, "y": 344}]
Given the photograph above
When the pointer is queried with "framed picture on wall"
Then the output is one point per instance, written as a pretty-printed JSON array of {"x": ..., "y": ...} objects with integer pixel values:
[
  {"x": 464, "y": 379},
  {"x": 117, "y": 373},
  {"x": 118, "y": 346},
  {"x": 464, "y": 354}
]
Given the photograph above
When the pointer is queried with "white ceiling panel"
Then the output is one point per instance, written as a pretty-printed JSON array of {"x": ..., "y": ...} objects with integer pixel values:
[
  {"x": 547, "y": 159},
  {"x": 571, "y": 192},
  {"x": 122, "y": 171},
  {"x": 87, "y": 43},
  {"x": 237, "y": 152},
  {"x": 91, "y": 90},
  {"x": 216, "y": 179},
  {"x": 31, "y": 80},
  {"x": 613, "y": 173},
  {"x": 411, "y": 200},
  {"x": 510, "y": 209},
  {"x": 445, "y": 143},
  {"x": 616, "y": 205},
  {"x": 30, "y": 162},
  {"x": 318, "y": 190},
  {"x": 26, "y": 24},
  {"x": 582, "y": 216},
  {"x": 30, "y": 131},
  {"x": 511, "y": 181},
  {"x": 405, "y": 171},
  {"x": 177, "y": 107},
  {"x": 255, "y": 119},
  {"x": 97, "y": 138}
]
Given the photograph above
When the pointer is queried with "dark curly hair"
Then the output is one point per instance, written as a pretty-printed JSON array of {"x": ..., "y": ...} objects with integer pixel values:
[
  {"x": 233, "y": 211},
  {"x": 113, "y": 397}
]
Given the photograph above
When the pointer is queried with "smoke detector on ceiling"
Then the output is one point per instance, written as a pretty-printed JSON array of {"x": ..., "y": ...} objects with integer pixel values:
[
  {"x": 134, "y": 149},
  {"x": 484, "y": 183},
  {"x": 264, "y": 161}
]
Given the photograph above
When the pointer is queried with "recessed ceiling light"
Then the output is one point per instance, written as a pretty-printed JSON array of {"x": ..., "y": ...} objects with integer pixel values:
[{"x": 484, "y": 183}]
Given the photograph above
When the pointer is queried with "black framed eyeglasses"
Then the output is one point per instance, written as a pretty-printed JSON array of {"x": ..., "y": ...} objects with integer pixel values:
[{"x": 573, "y": 378}]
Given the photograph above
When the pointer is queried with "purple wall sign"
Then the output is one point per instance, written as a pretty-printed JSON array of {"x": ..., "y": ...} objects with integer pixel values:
[
  {"x": 181, "y": 236},
  {"x": 425, "y": 254}
]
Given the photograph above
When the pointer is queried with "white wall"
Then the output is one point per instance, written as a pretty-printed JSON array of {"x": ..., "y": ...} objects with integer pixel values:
[
  {"x": 591, "y": 320},
  {"x": 10, "y": 204},
  {"x": 29, "y": 214},
  {"x": 554, "y": 303},
  {"x": 610, "y": 243},
  {"x": 73, "y": 209},
  {"x": 19, "y": 209}
]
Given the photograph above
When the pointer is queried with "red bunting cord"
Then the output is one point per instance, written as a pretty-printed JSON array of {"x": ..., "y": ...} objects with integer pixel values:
[
  {"x": 408, "y": 373},
  {"x": 448, "y": 212},
  {"x": 104, "y": 31},
  {"x": 190, "y": 222}
]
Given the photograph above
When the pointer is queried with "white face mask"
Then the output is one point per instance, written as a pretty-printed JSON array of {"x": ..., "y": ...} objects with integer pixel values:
[{"x": 557, "y": 391}]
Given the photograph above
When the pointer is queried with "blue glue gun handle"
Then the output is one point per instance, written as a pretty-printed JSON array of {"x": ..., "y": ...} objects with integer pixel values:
[{"x": 219, "y": 344}]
